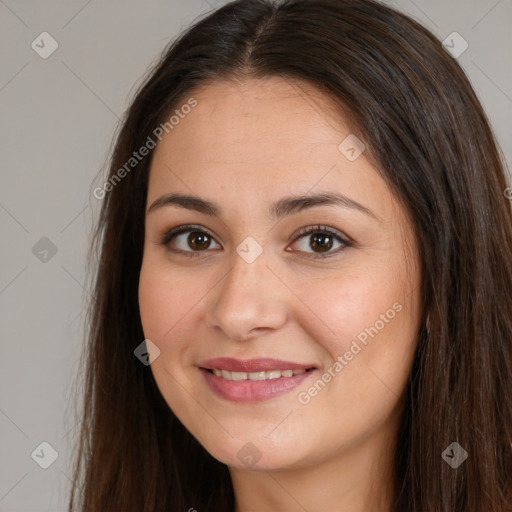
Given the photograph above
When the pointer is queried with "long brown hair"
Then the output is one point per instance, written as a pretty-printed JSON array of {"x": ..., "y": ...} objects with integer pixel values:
[{"x": 432, "y": 143}]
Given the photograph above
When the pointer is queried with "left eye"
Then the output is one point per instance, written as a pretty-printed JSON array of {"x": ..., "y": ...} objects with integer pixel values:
[
  {"x": 193, "y": 239},
  {"x": 321, "y": 240}
]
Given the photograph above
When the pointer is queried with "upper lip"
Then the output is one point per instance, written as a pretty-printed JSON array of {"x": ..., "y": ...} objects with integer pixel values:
[{"x": 251, "y": 365}]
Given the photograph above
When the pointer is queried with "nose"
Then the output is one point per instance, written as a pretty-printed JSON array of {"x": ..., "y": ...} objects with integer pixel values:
[{"x": 250, "y": 300}]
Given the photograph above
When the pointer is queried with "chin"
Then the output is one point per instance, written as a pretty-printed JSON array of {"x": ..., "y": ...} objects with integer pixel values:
[{"x": 258, "y": 454}]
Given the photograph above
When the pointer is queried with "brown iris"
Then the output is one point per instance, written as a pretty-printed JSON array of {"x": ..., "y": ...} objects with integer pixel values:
[
  {"x": 324, "y": 242},
  {"x": 202, "y": 239}
]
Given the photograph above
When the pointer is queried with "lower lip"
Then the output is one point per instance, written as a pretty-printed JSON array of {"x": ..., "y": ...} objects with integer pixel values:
[{"x": 253, "y": 390}]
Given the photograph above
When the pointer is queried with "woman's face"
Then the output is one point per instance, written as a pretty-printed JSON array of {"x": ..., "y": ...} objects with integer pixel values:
[{"x": 282, "y": 328}]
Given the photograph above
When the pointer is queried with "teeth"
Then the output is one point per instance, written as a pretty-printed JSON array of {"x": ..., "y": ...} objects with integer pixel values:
[
  {"x": 269, "y": 375},
  {"x": 257, "y": 375}
]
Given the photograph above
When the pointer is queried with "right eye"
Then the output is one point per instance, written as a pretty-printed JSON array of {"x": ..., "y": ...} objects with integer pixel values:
[{"x": 188, "y": 239}]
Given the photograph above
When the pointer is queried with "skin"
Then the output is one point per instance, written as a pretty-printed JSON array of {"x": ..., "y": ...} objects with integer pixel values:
[{"x": 245, "y": 145}]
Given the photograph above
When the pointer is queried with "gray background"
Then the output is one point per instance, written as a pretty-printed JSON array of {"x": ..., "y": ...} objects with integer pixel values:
[{"x": 58, "y": 116}]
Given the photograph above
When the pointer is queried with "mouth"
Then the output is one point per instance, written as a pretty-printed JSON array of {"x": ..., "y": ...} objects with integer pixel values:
[{"x": 253, "y": 380}]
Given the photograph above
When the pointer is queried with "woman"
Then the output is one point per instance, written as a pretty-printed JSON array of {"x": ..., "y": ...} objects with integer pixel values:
[{"x": 302, "y": 298}]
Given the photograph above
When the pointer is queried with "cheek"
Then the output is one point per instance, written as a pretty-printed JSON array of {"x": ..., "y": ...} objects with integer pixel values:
[
  {"x": 374, "y": 320},
  {"x": 166, "y": 303},
  {"x": 367, "y": 321},
  {"x": 340, "y": 308},
  {"x": 166, "y": 300}
]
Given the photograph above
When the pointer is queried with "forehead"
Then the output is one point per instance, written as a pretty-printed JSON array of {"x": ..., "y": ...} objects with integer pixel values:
[
  {"x": 270, "y": 118},
  {"x": 257, "y": 127}
]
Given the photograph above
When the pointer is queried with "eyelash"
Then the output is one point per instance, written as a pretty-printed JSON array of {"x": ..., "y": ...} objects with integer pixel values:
[{"x": 311, "y": 230}]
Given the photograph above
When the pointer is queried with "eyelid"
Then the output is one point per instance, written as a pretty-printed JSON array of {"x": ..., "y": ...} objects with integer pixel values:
[
  {"x": 322, "y": 228},
  {"x": 184, "y": 228}
]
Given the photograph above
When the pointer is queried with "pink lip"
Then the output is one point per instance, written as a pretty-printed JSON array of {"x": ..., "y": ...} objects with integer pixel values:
[
  {"x": 252, "y": 390},
  {"x": 251, "y": 365}
]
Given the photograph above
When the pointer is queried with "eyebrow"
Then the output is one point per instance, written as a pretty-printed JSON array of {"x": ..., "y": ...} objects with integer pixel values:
[{"x": 281, "y": 208}]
